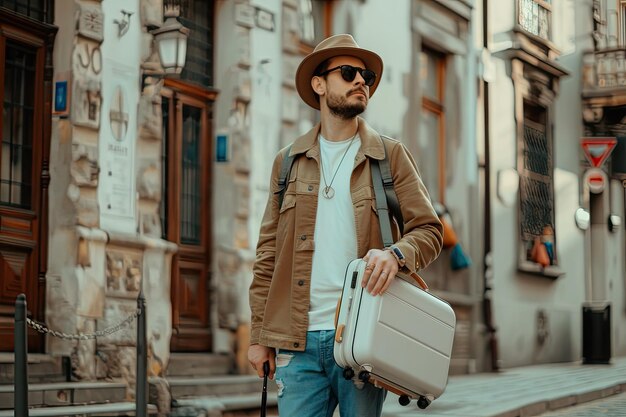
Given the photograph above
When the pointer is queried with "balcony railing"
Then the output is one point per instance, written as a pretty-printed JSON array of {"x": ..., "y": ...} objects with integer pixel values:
[{"x": 605, "y": 69}]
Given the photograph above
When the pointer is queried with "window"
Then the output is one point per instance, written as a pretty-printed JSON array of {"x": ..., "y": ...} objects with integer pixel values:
[
  {"x": 432, "y": 123},
  {"x": 536, "y": 184},
  {"x": 314, "y": 17},
  {"x": 197, "y": 16},
  {"x": 18, "y": 125},
  {"x": 35, "y": 9},
  {"x": 535, "y": 16}
]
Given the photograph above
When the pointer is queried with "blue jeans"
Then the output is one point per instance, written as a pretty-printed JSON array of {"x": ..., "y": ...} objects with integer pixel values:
[{"x": 311, "y": 384}]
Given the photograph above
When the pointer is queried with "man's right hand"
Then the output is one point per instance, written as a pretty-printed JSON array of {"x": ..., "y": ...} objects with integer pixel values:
[{"x": 258, "y": 355}]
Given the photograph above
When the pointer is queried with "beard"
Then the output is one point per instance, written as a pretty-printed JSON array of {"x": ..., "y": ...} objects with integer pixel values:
[{"x": 339, "y": 106}]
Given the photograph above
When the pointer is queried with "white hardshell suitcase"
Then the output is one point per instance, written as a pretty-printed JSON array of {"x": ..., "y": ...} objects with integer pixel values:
[{"x": 401, "y": 340}]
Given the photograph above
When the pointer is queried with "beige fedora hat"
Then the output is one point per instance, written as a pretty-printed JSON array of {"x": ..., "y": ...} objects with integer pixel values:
[{"x": 330, "y": 47}]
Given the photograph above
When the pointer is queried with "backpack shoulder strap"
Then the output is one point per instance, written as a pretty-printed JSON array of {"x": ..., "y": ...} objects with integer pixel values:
[
  {"x": 390, "y": 192},
  {"x": 283, "y": 177}
]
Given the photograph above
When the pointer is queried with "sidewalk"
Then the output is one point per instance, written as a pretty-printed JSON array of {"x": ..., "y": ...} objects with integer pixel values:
[{"x": 524, "y": 391}]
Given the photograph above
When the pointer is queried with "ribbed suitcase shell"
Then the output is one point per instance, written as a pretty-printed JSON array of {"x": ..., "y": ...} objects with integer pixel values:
[{"x": 403, "y": 338}]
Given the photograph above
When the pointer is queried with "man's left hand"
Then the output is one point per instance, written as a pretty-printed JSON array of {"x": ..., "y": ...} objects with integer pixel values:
[{"x": 381, "y": 269}]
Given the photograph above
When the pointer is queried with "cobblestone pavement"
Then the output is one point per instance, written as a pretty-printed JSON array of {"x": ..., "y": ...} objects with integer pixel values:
[{"x": 614, "y": 406}]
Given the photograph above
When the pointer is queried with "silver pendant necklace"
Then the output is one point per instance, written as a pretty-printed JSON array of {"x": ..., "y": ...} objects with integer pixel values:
[{"x": 328, "y": 191}]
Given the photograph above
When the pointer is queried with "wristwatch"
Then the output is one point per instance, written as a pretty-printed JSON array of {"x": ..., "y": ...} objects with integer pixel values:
[{"x": 397, "y": 253}]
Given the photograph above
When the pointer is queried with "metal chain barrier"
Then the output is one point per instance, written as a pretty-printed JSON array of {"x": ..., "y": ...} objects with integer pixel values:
[{"x": 42, "y": 328}]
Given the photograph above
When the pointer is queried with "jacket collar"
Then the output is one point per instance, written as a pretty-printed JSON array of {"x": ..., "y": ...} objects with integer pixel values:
[{"x": 371, "y": 143}]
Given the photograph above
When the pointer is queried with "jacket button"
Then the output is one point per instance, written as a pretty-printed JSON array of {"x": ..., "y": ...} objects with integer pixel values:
[
  {"x": 301, "y": 282},
  {"x": 310, "y": 188},
  {"x": 303, "y": 237},
  {"x": 296, "y": 344}
]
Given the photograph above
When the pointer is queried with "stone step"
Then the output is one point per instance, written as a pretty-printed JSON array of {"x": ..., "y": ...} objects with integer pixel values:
[
  {"x": 186, "y": 387},
  {"x": 211, "y": 405},
  {"x": 65, "y": 394},
  {"x": 109, "y": 409},
  {"x": 41, "y": 368},
  {"x": 195, "y": 364}
]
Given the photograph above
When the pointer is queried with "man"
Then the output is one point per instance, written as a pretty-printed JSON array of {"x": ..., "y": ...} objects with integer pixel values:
[{"x": 326, "y": 219}]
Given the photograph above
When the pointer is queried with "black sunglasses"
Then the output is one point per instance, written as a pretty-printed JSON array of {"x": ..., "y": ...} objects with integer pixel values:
[{"x": 348, "y": 72}]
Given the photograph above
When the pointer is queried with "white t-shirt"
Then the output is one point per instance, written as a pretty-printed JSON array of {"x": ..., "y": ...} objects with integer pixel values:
[{"x": 335, "y": 232}]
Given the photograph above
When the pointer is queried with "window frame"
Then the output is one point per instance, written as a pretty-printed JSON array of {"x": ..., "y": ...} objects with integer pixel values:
[
  {"x": 525, "y": 264},
  {"x": 437, "y": 107},
  {"x": 305, "y": 46},
  {"x": 540, "y": 3},
  {"x": 622, "y": 22},
  {"x": 23, "y": 38}
]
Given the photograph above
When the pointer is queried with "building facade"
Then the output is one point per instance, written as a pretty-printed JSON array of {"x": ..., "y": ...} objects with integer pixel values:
[
  {"x": 544, "y": 263},
  {"x": 117, "y": 178}
]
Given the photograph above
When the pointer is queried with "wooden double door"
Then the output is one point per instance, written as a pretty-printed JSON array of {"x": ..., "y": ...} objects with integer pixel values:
[
  {"x": 186, "y": 211},
  {"x": 25, "y": 94}
]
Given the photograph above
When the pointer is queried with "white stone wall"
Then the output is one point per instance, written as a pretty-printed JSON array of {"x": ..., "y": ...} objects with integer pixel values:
[{"x": 105, "y": 189}]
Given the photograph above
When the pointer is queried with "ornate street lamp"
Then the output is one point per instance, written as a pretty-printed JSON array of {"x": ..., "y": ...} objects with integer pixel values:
[{"x": 171, "y": 40}]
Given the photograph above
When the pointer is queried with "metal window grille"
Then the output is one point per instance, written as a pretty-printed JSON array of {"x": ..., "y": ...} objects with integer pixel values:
[
  {"x": 198, "y": 17},
  {"x": 191, "y": 181},
  {"x": 165, "y": 108},
  {"x": 17, "y": 131},
  {"x": 535, "y": 16},
  {"x": 536, "y": 183},
  {"x": 36, "y": 9}
]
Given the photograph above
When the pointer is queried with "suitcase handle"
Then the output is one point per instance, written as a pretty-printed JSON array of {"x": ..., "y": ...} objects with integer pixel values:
[{"x": 420, "y": 282}]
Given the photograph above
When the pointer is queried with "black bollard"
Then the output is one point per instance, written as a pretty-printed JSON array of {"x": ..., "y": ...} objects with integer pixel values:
[
  {"x": 141, "y": 387},
  {"x": 20, "y": 393}
]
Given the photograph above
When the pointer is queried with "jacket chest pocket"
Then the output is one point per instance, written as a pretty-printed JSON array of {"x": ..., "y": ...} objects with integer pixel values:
[{"x": 297, "y": 213}]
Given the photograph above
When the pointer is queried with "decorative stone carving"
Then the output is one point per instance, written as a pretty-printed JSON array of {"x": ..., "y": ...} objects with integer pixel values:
[
  {"x": 242, "y": 36},
  {"x": 123, "y": 273},
  {"x": 107, "y": 361},
  {"x": 149, "y": 183},
  {"x": 87, "y": 210},
  {"x": 150, "y": 115},
  {"x": 90, "y": 21},
  {"x": 241, "y": 157},
  {"x": 87, "y": 59},
  {"x": 82, "y": 356},
  {"x": 118, "y": 114},
  {"x": 115, "y": 311},
  {"x": 84, "y": 169},
  {"x": 593, "y": 114},
  {"x": 151, "y": 12},
  {"x": 86, "y": 102},
  {"x": 151, "y": 224}
]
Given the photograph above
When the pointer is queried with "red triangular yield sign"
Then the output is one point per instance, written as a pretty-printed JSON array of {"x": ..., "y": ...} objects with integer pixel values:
[{"x": 597, "y": 150}]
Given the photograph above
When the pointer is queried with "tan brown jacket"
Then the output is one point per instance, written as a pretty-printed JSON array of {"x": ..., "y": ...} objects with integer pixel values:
[{"x": 279, "y": 294}]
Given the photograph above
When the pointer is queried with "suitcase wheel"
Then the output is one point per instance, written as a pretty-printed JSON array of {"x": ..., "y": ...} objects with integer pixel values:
[
  {"x": 348, "y": 373},
  {"x": 364, "y": 376},
  {"x": 423, "y": 402},
  {"x": 404, "y": 400}
]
